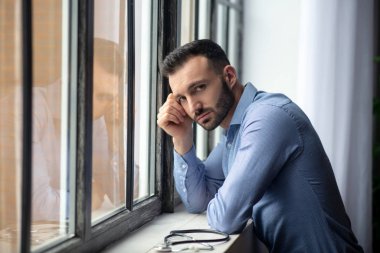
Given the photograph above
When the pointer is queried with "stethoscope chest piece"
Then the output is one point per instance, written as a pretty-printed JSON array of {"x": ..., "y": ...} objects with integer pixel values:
[{"x": 163, "y": 248}]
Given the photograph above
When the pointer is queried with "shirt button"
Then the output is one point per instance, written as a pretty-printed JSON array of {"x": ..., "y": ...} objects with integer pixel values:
[
  {"x": 184, "y": 189},
  {"x": 184, "y": 166},
  {"x": 229, "y": 145}
]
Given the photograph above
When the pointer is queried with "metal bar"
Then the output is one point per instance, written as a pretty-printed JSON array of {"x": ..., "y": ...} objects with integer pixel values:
[
  {"x": 167, "y": 41},
  {"x": 179, "y": 22},
  {"x": 240, "y": 39},
  {"x": 131, "y": 103},
  {"x": 196, "y": 25},
  {"x": 27, "y": 102},
  {"x": 227, "y": 33},
  {"x": 84, "y": 119}
]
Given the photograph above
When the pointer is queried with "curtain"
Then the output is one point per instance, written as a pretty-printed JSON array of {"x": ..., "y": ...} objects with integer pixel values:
[{"x": 335, "y": 89}]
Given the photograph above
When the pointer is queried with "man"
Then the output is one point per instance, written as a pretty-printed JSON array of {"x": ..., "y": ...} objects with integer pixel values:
[{"x": 269, "y": 165}]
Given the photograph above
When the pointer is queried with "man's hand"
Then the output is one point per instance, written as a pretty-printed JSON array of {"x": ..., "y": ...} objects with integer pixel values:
[{"x": 173, "y": 119}]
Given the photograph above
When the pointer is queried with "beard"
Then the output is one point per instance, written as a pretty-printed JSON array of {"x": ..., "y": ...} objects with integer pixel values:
[{"x": 223, "y": 105}]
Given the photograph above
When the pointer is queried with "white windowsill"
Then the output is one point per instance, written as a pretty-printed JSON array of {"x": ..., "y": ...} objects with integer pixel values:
[{"x": 153, "y": 233}]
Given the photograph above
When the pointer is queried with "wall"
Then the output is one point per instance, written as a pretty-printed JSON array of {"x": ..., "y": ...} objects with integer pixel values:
[{"x": 270, "y": 45}]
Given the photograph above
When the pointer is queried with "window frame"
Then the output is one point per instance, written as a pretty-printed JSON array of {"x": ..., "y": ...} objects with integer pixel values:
[
  {"x": 92, "y": 238},
  {"x": 89, "y": 237},
  {"x": 27, "y": 80}
]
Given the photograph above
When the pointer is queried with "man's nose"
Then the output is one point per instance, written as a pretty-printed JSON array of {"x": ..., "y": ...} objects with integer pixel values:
[{"x": 195, "y": 107}]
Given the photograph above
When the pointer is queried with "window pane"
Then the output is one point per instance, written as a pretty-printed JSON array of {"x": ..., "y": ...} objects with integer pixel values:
[
  {"x": 233, "y": 37},
  {"x": 221, "y": 39},
  {"x": 187, "y": 21},
  {"x": 50, "y": 184},
  {"x": 10, "y": 123},
  {"x": 145, "y": 94},
  {"x": 109, "y": 108},
  {"x": 221, "y": 24}
]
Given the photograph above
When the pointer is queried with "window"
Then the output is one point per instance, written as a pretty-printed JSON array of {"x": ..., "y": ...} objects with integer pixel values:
[
  {"x": 109, "y": 109},
  {"x": 51, "y": 186},
  {"x": 224, "y": 27},
  {"x": 91, "y": 84},
  {"x": 226, "y": 23},
  {"x": 145, "y": 104},
  {"x": 10, "y": 124},
  {"x": 82, "y": 162}
]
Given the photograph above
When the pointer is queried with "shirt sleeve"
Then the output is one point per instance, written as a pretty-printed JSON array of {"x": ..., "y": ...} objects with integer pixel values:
[
  {"x": 269, "y": 139},
  {"x": 196, "y": 181}
]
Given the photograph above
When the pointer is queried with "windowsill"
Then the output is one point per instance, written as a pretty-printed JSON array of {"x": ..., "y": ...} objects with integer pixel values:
[{"x": 153, "y": 233}]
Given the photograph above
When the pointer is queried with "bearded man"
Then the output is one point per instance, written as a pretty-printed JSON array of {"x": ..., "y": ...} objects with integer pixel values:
[{"x": 269, "y": 165}]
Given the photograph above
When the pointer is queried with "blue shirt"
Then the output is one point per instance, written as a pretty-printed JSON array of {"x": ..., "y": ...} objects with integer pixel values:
[{"x": 269, "y": 166}]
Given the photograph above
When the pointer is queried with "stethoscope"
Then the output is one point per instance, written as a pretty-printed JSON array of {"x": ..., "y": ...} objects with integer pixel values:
[{"x": 168, "y": 243}]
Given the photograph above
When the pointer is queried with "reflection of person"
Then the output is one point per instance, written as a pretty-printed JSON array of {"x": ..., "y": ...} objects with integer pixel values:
[
  {"x": 107, "y": 174},
  {"x": 46, "y": 136},
  {"x": 10, "y": 124},
  {"x": 269, "y": 165}
]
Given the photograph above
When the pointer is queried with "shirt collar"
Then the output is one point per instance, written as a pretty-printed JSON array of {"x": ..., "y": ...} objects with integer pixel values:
[{"x": 246, "y": 99}]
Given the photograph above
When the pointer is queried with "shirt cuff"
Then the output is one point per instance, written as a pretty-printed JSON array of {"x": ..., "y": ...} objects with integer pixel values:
[
  {"x": 181, "y": 165},
  {"x": 189, "y": 159}
]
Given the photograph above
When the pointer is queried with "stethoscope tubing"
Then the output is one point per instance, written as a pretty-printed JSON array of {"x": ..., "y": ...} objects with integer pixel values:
[{"x": 225, "y": 237}]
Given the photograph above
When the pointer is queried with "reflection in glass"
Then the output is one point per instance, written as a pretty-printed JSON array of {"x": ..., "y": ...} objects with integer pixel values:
[
  {"x": 10, "y": 124},
  {"x": 50, "y": 192},
  {"x": 109, "y": 126},
  {"x": 144, "y": 100}
]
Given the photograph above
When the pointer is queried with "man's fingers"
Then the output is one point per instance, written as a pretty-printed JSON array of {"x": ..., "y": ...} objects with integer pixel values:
[
  {"x": 168, "y": 119},
  {"x": 170, "y": 115},
  {"x": 172, "y": 101}
]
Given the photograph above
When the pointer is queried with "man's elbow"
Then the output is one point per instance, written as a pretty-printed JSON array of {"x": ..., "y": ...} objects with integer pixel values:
[
  {"x": 195, "y": 207},
  {"x": 227, "y": 227},
  {"x": 224, "y": 220}
]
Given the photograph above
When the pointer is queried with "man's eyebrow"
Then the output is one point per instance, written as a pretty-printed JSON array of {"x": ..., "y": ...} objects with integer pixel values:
[
  {"x": 191, "y": 86},
  {"x": 195, "y": 83}
]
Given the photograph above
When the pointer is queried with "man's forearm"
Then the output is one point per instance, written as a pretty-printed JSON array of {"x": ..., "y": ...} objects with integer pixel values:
[{"x": 182, "y": 145}]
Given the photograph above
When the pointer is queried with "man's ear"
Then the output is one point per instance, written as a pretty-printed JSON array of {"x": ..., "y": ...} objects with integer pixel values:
[{"x": 230, "y": 77}]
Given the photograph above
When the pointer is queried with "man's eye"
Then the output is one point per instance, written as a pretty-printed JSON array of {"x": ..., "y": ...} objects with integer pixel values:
[
  {"x": 181, "y": 100},
  {"x": 200, "y": 87}
]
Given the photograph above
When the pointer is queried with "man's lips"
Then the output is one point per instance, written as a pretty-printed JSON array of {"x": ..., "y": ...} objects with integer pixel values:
[{"x": 202, "y": 116}]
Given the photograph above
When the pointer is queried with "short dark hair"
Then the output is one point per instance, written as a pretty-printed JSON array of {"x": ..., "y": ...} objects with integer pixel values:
[
  {"x": 107, "y": 54},
  {"x": 216, "y": 56}
]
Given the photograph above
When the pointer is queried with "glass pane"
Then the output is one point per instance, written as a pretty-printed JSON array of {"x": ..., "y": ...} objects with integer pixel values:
[
  {"x": 204, "y": 12},
  {"x": 233, "y": 37},
  {"x": 50, "y": 192},
  {"x": 187, "y": 21},
  {"x": 221, "y": 39},
  {"x": 145, "y": 94},
  {"x": 10, "y": 123},
  {"x": 221, "y": 24},
  {"x": 109, "y": 108}
]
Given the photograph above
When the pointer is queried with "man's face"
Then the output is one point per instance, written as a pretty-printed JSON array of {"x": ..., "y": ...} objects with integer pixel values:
[
  {"x": 204, "y": 95},
  {"x": 105, "y": 91}
]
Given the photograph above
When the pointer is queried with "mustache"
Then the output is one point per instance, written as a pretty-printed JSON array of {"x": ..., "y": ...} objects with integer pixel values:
[{"x": 200, "y": 111}]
